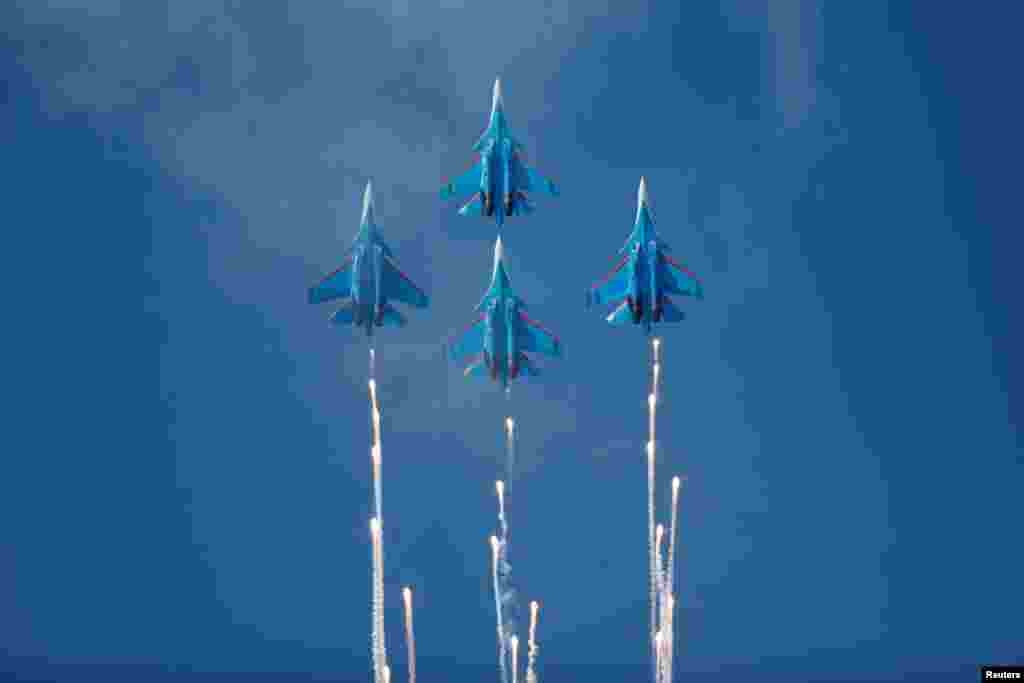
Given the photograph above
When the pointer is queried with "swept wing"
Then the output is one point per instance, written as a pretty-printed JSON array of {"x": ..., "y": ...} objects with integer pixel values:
[{"x": 397, "y": 285}]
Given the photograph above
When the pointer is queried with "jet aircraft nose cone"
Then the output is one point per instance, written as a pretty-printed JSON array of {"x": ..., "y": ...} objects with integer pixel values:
[
  {"x": 496, "y": 102},
  {"x": 641, "y": 195},
  {"x": 499, "y": 252},
  {"x": 368, "y": 200}
]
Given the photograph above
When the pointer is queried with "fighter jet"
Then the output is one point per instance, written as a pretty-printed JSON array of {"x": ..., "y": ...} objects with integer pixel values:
[
  {"x": 499, "y": 182},
  {"x": 644, "y": 277},
  {"x": 368, "y": 278},
  {"x": 502, "y": 333}
]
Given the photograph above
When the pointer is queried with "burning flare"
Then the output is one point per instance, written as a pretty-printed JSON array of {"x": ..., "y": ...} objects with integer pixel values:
[{"x": 410, "y": 638}]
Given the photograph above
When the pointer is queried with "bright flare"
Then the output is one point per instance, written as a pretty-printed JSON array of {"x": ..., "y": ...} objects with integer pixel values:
[
  {"x": 410, "y": 638},
  {"x": 495, "y": 558},
  {"x": 531, "y": 651}
]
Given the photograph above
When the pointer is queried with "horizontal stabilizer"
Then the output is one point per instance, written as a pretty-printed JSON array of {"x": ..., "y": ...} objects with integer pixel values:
[
  {"x": 678, "y": 279},
  {"x": 392, "y": 317},
  {"x": 621, "y": 315},
  {"x": 538, "y": 183},
  {"x": 526, "y": 367},
  {"x": 670, "y": 313},
  {"x": 344, "y": 315},
  {"x": 522, "y": 206}
]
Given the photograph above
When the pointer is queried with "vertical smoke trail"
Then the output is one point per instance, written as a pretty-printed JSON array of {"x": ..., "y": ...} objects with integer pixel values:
[
  {"x": 500, "y": 488},
  {"x": 410, "y": 638},
  {"x": 375, "y": 649},
  {"x": 495, "y": 559},
  {"x": 375, "y": 453},
  {"x": 670, "y": 605},
  {"x": 510, "y": 447},
  {"x": 666, "y": 602},
  {"x": 670, "y": 583},
  {"x": 509, "y": 605},
  {"x": 659, "y": 536},
  {"x": 652, "y": 403},
  {"x": 531, "y": 652},
  {"x": 514, "y": 642},
  {"x": 380, "y": 653},
  {"x": 650, "y": 527},
  {"x": 657, "y": 655}
]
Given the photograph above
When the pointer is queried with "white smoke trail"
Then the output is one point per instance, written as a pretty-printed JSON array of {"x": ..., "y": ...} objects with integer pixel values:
[
  {"x": 670, "y": 584},
  {"x": 375, "y": 453},
  {"x": 652, "y": 403},
  {"x": 380, "y": 648},
  {"x": 659, "y": 536},
  {"x": 657, "y": 656},
  {"x": 375, "y": 649},
  {"x": 653, "y": 567},
  {"x": 514, "y": 642},
  {"x": 507, "y": 592},
  {"x": 500, "y": 488},
  {"x": 669, "y": 644},
  {"x": 410, "y": 638},
  {"x": 495, "y": 559},
  {"x": 531, "y": 652},
  {"x": 510, "y": 447}
]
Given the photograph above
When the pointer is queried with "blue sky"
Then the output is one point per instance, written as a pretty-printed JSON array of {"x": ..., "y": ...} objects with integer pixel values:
[{"x": 185, "y": 481}]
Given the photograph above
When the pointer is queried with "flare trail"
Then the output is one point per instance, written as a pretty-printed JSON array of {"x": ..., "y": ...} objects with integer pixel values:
[
  {"x": 377, "y": 528},
  {"x": 531, "y": 652},
  {"x": 495, "y": 559},
  {"x": 375, "y": 613}
]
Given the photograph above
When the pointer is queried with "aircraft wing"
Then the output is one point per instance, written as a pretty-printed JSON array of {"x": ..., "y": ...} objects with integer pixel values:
[
  {"x": 470, "y": 342},
  {"x": 467, "y": 183},
  {"x": 534, "y": 337},
  {"x": 397, "y": 285},
  {"x": 615, "y": 285},
  {"x": 531, "y": 180},
  {"x": 337, "y": 285},
  {"x": 678, "y": 279}
]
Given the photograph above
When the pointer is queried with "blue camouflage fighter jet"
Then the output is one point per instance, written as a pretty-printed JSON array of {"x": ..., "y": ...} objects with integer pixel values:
[
  {"x": 368, "y": 278},
  {"x": 499, "y": 182},
  {"x": 644, "y": 277},
  {"x": 502, "y": 333}
]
